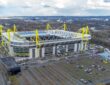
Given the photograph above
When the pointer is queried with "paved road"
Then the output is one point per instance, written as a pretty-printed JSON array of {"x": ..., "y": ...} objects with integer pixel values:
[
  {"x": 3, "y": 77},
  {"x": 2, "y": 80},
  {"x": 105, "y": 80}
]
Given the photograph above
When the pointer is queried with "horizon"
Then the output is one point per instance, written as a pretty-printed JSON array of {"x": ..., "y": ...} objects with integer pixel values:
[{"x": 56, "y": 16}]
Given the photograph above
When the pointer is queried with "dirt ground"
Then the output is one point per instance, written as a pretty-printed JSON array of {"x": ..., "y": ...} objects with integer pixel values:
[{"x": 64, "y": 72}]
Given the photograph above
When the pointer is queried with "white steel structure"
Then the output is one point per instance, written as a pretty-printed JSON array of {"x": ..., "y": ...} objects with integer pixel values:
[{"x": 51, "y": 42}]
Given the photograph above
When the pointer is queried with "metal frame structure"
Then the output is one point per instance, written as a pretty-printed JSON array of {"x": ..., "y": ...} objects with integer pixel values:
[{"x": 35, "y": 43}]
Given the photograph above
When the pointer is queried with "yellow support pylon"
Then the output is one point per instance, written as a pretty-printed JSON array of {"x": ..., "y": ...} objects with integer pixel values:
[
  {"x": 2, "y": 43},
  {"x": 83, "y": 33},
  {"x": 87, "y": 30},
  {"x": 65, "y": 27},
  {"x": 48, "y": 26},
  {"x": 1, "y": 28},
  {"x": 14, "y": 28},
  {"x": 37, "y": 37},
  {"x": 8, "y": 34}
]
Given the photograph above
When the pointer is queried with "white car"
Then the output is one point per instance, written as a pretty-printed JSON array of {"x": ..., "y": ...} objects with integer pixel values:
[{"x": 84, "y": 81}]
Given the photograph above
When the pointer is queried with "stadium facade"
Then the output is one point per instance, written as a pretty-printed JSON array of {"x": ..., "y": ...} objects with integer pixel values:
[{"x": 51, "y": 42}]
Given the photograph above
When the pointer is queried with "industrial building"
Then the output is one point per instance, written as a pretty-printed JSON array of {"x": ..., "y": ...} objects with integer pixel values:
[{"x": 53, "y": 42}]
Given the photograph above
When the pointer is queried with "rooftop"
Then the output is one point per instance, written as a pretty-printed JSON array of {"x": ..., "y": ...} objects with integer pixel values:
[
  {"x": 31, "y": 33},
  {"x": 45, "y": 36}
]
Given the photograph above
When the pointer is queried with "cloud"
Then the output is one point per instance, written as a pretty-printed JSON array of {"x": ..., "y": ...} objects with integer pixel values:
[
  {"x": 54, "y": 7},
  {"x": 98, "y": 4},
  {"x": 3, "y": 3}
]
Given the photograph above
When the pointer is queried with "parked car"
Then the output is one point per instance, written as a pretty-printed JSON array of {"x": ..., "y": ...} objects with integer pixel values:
[{"x": 84, "y": 81}]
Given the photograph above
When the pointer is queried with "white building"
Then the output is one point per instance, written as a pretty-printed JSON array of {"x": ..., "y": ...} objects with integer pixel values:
[{"x": 51, "y": 42}]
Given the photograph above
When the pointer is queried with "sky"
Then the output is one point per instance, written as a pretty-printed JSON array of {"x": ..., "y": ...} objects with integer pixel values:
[{"x": 54, "y": 7}]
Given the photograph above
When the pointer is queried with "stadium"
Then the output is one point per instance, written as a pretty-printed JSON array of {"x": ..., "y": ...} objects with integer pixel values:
[{"x": 41, "y": 43}]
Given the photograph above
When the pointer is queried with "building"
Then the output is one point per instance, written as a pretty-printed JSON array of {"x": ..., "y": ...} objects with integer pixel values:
[
  {"x": 105, "y": 55},
  {"x": 51, "y": 42},
  {"x": 9, "y": 65}
]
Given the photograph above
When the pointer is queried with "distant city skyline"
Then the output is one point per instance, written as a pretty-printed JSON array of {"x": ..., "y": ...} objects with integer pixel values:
[{"x": 54, "y": 7}]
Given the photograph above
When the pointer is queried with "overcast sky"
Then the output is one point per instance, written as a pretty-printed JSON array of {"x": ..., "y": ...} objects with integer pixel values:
[{"x": 54, "y": 7}]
